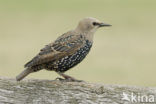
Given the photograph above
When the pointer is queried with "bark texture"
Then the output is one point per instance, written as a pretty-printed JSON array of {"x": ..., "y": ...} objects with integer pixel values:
[{"x": 57, "y": 92}]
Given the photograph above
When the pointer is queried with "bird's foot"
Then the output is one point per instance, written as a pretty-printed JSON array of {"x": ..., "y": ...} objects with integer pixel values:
[
  {"x": 73, "y": 80},
  {"x": 69, "y": 80},
  {"x": 60, "y": 79}
]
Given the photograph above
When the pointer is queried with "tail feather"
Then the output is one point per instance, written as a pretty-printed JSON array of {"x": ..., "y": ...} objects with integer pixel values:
[
  {"x": 28, "y": 64},
  {"x": 23, "y": 74}
]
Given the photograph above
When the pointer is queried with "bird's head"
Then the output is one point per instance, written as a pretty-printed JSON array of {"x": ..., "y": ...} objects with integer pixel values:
[{"x": 90, "y": 25}]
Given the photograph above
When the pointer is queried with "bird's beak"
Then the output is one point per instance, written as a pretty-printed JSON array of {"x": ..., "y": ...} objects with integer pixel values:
[{"x": 104, "y": 25}]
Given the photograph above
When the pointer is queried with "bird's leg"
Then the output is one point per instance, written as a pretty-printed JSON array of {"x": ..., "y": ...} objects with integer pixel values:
[{"x": 68, "y": 78}]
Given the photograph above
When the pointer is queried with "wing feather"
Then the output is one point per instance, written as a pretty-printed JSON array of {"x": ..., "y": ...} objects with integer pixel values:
[{"x": 65, "y": 45}]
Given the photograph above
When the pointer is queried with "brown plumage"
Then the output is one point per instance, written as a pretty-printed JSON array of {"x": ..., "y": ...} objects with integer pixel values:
[{"x": 66, "y": 52}]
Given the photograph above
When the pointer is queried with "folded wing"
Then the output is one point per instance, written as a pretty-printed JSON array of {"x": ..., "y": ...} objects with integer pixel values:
[{"x": 65, "y": 45}]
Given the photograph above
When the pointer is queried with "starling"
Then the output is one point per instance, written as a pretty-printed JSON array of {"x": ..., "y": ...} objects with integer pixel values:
[{"x": 66, "y": 52}]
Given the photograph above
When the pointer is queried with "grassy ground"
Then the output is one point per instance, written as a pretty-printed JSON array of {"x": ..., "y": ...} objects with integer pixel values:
[{"x": 122, "y": 54}]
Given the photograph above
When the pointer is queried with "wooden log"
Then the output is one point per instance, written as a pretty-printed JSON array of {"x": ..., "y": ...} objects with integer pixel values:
[{"x": 57, "y": 92}]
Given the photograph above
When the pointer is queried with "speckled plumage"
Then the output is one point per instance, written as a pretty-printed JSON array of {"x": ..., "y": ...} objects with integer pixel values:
[
  {"x": 67, "y": 51},
  {"x": 66, "y": 58},
  {"x": 70, "y": 61}
]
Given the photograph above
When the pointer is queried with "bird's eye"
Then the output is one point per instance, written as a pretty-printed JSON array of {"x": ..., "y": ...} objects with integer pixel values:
[{"x": 95, "y": 23}]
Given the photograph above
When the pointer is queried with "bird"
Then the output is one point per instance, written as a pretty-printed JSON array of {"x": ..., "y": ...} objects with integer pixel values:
[{"x": 66, "y": 51}]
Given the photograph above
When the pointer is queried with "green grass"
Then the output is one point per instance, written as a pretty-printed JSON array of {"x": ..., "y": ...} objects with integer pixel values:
[{"x": 122, "y": 54}]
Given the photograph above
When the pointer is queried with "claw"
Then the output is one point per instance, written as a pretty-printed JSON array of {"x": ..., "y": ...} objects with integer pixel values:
[
  {"x": 60, "y": 79},
  {"x": 68, "y": 78}
]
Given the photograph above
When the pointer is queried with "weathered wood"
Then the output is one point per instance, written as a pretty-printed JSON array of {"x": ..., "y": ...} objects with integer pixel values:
[{"x": 57, "y": 92}]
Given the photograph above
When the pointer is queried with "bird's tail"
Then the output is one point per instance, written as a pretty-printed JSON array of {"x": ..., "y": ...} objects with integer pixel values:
[{"x": 23, "y": 74}]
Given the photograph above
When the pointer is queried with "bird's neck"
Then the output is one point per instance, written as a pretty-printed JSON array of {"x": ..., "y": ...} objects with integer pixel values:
[{"x": 88, "y": 34}]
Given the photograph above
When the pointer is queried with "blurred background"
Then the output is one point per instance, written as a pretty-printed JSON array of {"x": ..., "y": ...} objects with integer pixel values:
[{"x": 122, "y": 54}]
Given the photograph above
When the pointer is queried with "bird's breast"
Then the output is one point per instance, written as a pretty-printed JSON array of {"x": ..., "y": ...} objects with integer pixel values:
[{"x": 70, "y": 61}]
